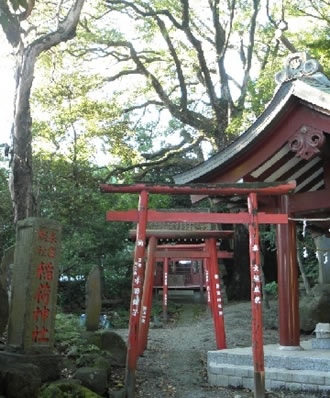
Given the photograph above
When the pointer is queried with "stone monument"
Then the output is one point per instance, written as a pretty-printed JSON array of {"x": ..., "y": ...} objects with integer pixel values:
[
  {"x": 31, "y": 328},
  {"x": 93, "y": 299}
]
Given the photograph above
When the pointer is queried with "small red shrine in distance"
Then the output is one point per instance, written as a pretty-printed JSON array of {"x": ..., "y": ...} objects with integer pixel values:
[{"x": 289, "y": 141}]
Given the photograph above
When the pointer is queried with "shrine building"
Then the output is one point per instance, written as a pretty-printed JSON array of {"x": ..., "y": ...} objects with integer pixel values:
[{"x": 290, "y": 141}]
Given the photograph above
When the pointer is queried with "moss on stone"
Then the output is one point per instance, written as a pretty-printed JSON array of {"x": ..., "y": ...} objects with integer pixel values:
[{"x": 66, "y": 390}]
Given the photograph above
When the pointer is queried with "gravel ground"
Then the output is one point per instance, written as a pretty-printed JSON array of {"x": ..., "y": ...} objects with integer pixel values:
[{"x": 174, "y": 365}]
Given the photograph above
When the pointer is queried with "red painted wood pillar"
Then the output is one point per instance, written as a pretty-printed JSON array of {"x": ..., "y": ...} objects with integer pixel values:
[
  {"x": 201, "y": 279},
  {"x": 256, "y": 299},
  {"x": 287, "y": 278},
  {"x": 146, "y": 301},
  {"x": 165, "y": 289},
  {"x": 326, "y": 172},
  {"x": 207, "y": 281},
  {"x": 138, "y": 273},
  {"x": 216, "y": 297}
]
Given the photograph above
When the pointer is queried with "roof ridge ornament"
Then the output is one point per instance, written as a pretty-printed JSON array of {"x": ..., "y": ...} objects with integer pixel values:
[
  {"x": 307, "y": 142},
  {"x": 300, "y": 65}
]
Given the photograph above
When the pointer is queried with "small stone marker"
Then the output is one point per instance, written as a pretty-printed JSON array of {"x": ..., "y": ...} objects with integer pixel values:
[
  {"x": 93, "y": 299},
  {"x": 34, "y": 287}
]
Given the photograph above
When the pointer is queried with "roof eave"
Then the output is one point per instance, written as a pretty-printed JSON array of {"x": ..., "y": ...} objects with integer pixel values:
[{"x": 243, "y": 142}]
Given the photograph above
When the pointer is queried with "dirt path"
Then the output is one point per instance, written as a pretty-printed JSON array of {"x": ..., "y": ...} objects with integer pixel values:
[{"x": 174, "y": 365}]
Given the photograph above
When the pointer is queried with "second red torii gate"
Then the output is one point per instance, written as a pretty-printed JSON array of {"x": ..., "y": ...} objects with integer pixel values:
[
  {"x": 142, "y": 216},
  {"x": 177, "y": 252}
]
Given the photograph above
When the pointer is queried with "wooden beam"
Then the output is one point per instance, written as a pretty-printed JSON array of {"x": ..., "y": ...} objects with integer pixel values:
[
  {"x": 177, "y": 234},
  {"x": 309, "y": 201},
  {"x": 241, "y": 189},
  {"x": 197, "y": 218},
  {"x": 190, "y": 254}
]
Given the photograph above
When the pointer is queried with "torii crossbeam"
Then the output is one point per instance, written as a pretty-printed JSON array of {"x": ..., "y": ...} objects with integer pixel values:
[{"x": 142, "y": 216}]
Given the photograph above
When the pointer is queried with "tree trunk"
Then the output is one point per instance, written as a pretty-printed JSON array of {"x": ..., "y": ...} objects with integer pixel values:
[{"x": 20, "y": 185}]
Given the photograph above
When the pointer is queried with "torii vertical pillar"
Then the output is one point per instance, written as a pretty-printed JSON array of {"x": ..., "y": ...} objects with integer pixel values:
[
  {"x": 216, "y": 297},
  {"x": 207, "y": 282},
  {"x": 146, "y": 302},
  {"x": 137, "y": 280},
  {"x": 256, "y": 300},
  {"x": 165, "y": 289},
  {"x": 287, "y": 274}
]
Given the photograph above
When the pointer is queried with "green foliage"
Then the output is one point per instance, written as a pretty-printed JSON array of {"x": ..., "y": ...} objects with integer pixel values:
[
  {"x": 67, "y": 330},
  {"x": 70, "y": 340},
  {"x": 268, "y": 235},
  {"x": 120, "y": 318},
  {"x": 272, "y": 289}
]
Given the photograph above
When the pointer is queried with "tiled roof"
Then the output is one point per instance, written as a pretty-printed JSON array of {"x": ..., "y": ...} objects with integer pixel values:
[{"x": 313, "y": 89}]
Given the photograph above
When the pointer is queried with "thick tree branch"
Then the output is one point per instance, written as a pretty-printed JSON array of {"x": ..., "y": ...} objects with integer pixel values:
[
  {"x": 221, "y": 47},
  {"x": 149, "y": 13},
  {"x": 177, "y": 151},
  {"x": 9, "y": 24},
  {"x": 183, "y": 87},
  {"x": 200, "y": 54},
  {"x": 186, "y": 116},
  {"x": 28, "y": 11},
  {"x": 141, "y": 106},
  {"x": 249, "y": 53},
  {"x": 123, "y": 73}
]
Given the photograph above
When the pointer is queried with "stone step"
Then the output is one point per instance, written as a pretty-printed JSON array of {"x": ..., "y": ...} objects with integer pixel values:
[
  {"x": 230, "y": 375},
  {"x": 305, "y": 359},
  {"x": 307, "y": 369}
]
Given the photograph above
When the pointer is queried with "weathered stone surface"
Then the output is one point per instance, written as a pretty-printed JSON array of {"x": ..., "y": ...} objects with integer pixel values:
[
  {"x": 111, "y": 342},
  {"x": 93, "y": 378},
  {"x": 65, "y": 388},
  {"x": 320, "y": 344},
  {"x": 35, "y": 278},
  {"x": 4, "y": 309},
  {"x": 5, "y": 286},
  {"x": 20, "y": 381},
  {"x": 93, "y": 299},
  {"x": 6, "y": 267},
  {"x": 49, "y": 364},
  {"x": 315, "y": 308}
]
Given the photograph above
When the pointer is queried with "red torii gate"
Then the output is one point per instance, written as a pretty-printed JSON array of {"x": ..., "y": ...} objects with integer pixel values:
[
  {"x": 177, "y": 252},
  {"x": 203, "y": 251},
  {"x": 209, "y": 255},
  {"x": 142, "y": 216}
]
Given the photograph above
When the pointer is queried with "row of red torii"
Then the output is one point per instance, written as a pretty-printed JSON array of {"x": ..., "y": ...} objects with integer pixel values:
[{"x": 142, "y": 280}]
